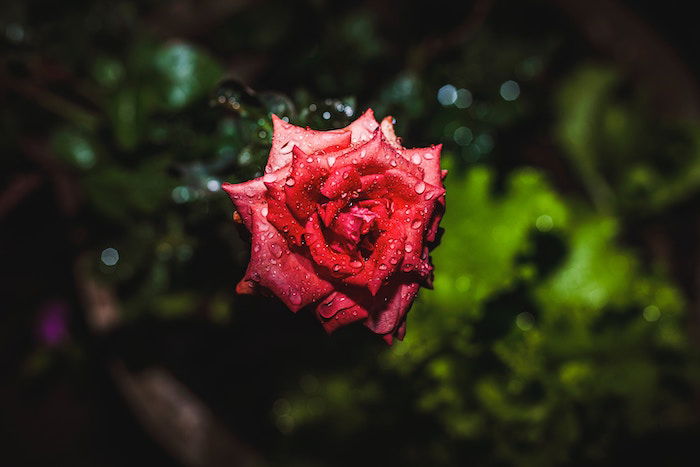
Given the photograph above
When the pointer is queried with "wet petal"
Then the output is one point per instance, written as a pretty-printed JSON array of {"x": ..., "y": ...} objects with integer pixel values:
[
  {"x": 279, "y": 216},
  {"x": 392, "y": 306},
  {"x": 341, "y": 181},
  {"x": 249, "y": 196},
  {"x": 290, "y": 276},
  {"x": 286, "y": 137}
]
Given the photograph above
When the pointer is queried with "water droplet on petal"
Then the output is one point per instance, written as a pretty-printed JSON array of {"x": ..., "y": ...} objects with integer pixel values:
[
  {"x": 264, "y": 211},
  {"x": 309, "y": 159},
  {"x": 416, "y": 224},
  {"x": 408, "y": 248},
  {"x": 269, "y": 178},
  {"x": 336, "y": 267},
  {"x": 331, "y": 161},
  {"x": 415, "y": 159},
  {"x": 393, "y": 260},
  {"x": 429, "y": 195},
  {"x": 356, "y": 264},
  {"x": 290, "y": 182},
  {"x": 295, "y": 298},
  {"x": 393, "y": 162},
  {"x": 276, "y": 250},
  {"x": 383, "y": 267},
  {"x": 428, "y": 155},
  {"x": 420, "y": 187}
]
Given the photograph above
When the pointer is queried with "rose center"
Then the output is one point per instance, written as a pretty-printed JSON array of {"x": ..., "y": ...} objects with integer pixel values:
[{"x": 353, "y": 231}]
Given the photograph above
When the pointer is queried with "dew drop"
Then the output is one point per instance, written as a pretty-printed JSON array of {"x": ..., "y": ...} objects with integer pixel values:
[
  {"x": 331, "y": 161},
  {"x": 415, "y": 159},
  {"x": 269, "y": 178},
  {"x": 383, "y": 267},
  {"x": 429, "y": 195},
  {"x": 420, "y": 186},
  {"x": 408, "y": 248},
  {"x": 363, "y": 154},
  {"x": 356, "y": 264},
  {"x": 393, "y": 162},
  {"x": 295, "y": 298},
  {"x": 336, "y": 267},
  {"x": 309, "y": 159},
  {"x": 428, "y": 155},
  {"x": 290, "y": 182},
  {"x": 393, "y": 260},
  {"x": 276, "y": 250},
  {"x": 416, "y": 224}
]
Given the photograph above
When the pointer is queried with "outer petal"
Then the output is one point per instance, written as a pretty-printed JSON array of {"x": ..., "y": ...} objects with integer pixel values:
[
  {"x": 338, "y": 310},
  {"x": 290, "y": 276},
  {"x": 387, "y": 126},
  {"x": 377, "y": 156},
  {"x": 395, "y": 303},
  {"x": 250, "y": 195},
  {"x": 286, "y": 137},
  {"x": 414, "y": 204},
  {"x": 303, "y": 187},
  {"x": 429, "y": 160},
  {"x": 364, "y": 127}
]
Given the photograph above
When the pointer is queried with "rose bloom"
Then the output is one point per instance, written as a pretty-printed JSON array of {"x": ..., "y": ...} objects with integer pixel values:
[{"x": 343, "y": 221}]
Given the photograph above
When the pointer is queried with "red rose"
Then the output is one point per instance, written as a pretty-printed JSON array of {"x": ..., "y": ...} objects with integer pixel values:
[{"x": 343, "y": 220}]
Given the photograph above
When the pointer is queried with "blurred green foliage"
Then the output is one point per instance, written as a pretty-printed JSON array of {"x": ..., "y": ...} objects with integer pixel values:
[
  {"x": 629, "y": 160},
  {"x": 541, "y": 361},
  {"x": 545, "y": 341}
]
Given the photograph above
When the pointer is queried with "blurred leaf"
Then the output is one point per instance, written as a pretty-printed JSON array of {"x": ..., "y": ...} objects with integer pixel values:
[{"x": 188, "y": 74}]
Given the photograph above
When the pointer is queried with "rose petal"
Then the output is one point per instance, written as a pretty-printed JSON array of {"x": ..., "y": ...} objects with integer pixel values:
[
  {"x": 286, "y": 136},
  {"x": 328, "y": 211},
  {"x": 250, "y": 195},
  {"x": 395, "y": 302},
  {"x": 290, "y": 276},
  {"x": 388, "y": 131},
  {"x": 279, "y": 216},
  {"x": 341, "y": 181},
  {"x": 338, "y": 264},
  {"x": 302, "y": 187},
  {"x": 334, "y": 303},
  {"x": 376, "y": 156},
  {"x": 364, "y": 127},
  {"x": 429, "y": 160},
  {"x": 434, "y": 224}
]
